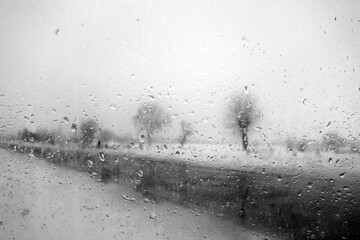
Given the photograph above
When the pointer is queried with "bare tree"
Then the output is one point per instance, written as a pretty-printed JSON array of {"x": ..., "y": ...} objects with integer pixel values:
[
  {"x": 186, "y": 131},
  {"x": 242, "y": 112},
  {"x": 88, "y": 129},
  {"x": 150, "y": 118}
]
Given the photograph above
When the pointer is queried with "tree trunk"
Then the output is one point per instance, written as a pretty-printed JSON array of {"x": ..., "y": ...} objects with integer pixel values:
[
  {"x": 244, "y": 138},
  {"x": 148, "y": 133}
]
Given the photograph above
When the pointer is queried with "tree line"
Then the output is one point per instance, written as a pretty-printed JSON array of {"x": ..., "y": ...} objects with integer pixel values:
[{"x": 242, "y": 112}]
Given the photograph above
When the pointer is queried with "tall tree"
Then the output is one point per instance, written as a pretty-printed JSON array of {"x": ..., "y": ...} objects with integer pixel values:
[
  {"x": 242, "y": 112},
  {"x": 150, "y": 118},
  {"x": 186, "y": 131}
]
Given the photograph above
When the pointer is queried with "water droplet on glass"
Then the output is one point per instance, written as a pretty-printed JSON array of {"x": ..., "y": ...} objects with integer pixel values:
[
  {"x": 152, "y": 98},
  {"x": 246, "y": 90},
  {"x": 142, "y": 138},
  {"x": 304, "y": 101},
  {"x": 126, "y": 197},
  {"x": 342, "y": 175},
  {"x": 66, "y": 119},
  {"x": 31, "y": 155},
  {"x": 140, "y": 173},
  {"x": 279, "y": 178},
  {"x": 258, "y": 129},
  {"x": 73, "y": 127},
  {"x": 101, "y": 156},
  {"x": 113, "y": 107},
  {"x": 328, "y": 124},
  {"x": 90, "y": 163},
  {"x": 152, "y": 215},
  {"x": 299, "y": 193}
]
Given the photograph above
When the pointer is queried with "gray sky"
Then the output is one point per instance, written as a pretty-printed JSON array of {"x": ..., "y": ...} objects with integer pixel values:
[{"x": 103, "y": 58}]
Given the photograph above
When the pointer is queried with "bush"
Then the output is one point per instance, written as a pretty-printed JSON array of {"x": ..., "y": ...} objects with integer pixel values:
[{"x": 333, "y": 142}]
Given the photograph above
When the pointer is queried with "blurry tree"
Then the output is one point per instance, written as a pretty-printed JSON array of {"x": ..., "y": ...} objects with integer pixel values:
[
  {"x": 186, "y": 131},
  {"x": 88, "y": 129},
  {"x": 332, "y": 141},
  {"x": 242, "y": 113},
  {"x": 107, "y": 135},
  {"x": 150, "y": 118}
]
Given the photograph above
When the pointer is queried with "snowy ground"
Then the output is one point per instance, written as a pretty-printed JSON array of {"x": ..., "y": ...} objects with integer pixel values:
[{"x": 41, "y": 201}]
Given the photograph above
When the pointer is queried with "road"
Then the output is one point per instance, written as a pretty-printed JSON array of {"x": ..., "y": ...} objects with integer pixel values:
[{"x": 39, "y": 200}]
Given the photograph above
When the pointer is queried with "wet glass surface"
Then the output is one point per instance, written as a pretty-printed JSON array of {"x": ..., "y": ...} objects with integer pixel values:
[{"x": 179, "y": 120}]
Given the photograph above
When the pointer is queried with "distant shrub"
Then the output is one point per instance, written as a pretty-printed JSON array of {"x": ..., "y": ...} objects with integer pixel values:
[
  {"x": 41, "y": 135},
  {"x": 292, "y": 144},
  {"x": 88, "y": 131},
  {"x": 333, "y": 142}
]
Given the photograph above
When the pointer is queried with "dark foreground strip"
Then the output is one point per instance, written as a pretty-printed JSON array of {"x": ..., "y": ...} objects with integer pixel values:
[{"x": 299, "y": 207}]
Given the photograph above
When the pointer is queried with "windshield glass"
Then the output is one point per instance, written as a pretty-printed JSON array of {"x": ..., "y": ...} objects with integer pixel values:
[{"x": 179, "y": 119}]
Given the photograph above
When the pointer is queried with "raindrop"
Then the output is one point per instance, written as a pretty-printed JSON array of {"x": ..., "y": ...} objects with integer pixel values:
[
  {"x": 299, "y": 193},
  {"x": 66, "y": 119},
  {"x": 330, "y": 160},
  {"x": 342, "y": 175},
  {"x": 304, "y": 101},
  {"x": 90, "y": 163},
  {"x": 113, "y": 106},
  {"x": 279, "y": 178},
  {"x": 152, "y": 215},
  {"x": 73, "y": 127},
  {"x": 309, "y": 185},
  {"x": 328, "y": 124},
  {"x": 263, "y": 171},
  {"x": 101, "y": 156},
  {"x": 126, "y": 197},
  {"x": 258, "y": 129},
  {"x": 152, "y": 98},
  {"x": 142, "y": 138},
  {"x": 140, "y": 173},
  {"x": 31, "y": 155},
  {"x": 246, "y": 90}
]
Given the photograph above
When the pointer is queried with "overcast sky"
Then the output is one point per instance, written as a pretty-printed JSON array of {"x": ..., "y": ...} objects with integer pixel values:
[{"x": 102, "y": 59}]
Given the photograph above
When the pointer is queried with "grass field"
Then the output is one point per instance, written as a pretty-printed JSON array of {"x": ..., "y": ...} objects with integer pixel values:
[{"x": 308, "y": 196}]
